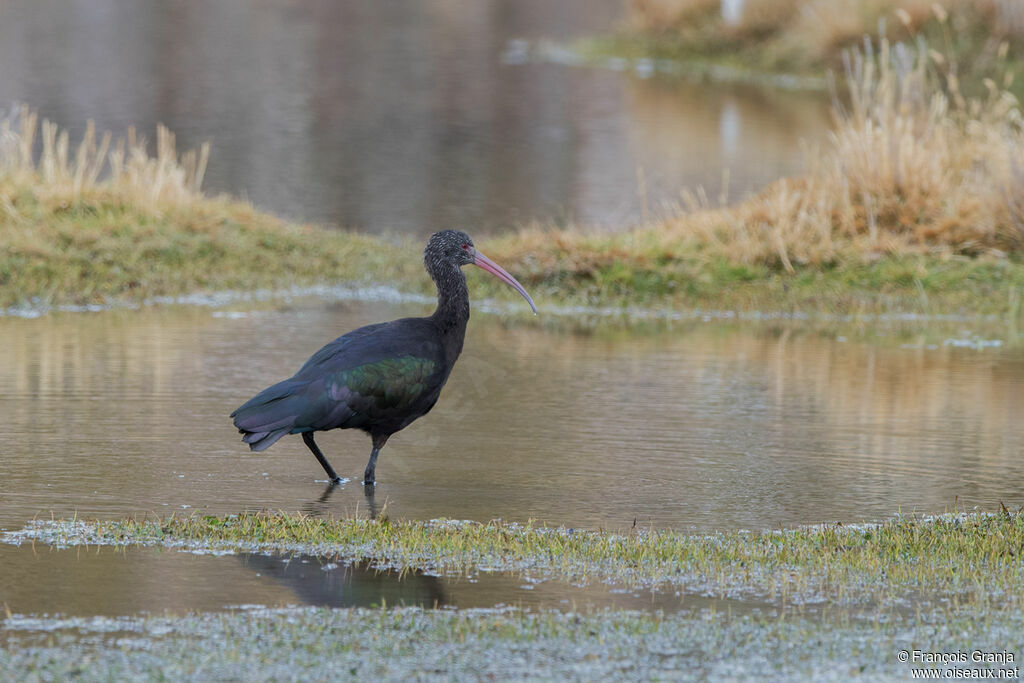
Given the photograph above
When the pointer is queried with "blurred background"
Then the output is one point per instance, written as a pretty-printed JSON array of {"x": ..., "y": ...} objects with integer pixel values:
[{"x": 405, "y": 116}]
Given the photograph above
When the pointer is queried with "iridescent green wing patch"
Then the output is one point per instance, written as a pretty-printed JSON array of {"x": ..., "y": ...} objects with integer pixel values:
[{"x": 388, "y": 384}]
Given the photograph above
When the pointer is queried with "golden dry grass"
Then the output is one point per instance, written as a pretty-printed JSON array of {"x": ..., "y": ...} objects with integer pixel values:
[
  {"x": 801, "y": 34},
  {"x": 912, "y": 167},
  {"x": 836, "y": 19},
  {"x": 106, "y": 219},
  {"x": 123, "y": 168}
]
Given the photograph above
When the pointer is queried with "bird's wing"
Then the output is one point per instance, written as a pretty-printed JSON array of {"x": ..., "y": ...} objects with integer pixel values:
[
  {"x": 386, "y": 385},
  {"x": 372, "y": 391},
  {"x": 349, "y": 349},
  {"x": 376, "y": 372}
]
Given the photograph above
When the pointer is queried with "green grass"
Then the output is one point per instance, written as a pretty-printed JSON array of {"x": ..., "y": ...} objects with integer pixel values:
[
  {"x": 604, "y": 273},
  {"x": 97, "y": 248},
  {"x": 701, "y": 60},
  {"x": 112, "y": 222},
  {"x": 976, "y": 559},
  {"x": 846, "y": 600},
  {"x": 70, "y": 238}
]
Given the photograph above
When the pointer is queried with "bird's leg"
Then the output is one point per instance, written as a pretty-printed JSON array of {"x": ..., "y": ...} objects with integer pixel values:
[
  {"x": 307, "y": 437},
  {"x": 368, "y": 476},
  {"x": 378, "y": 443}
]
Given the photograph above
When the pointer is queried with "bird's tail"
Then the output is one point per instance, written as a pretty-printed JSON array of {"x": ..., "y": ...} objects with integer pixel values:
[
  {"x": 261, "y": 441},
  {"x": 269, "y": 415}
]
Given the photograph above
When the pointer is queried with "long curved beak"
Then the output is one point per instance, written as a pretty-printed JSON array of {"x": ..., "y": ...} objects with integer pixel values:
[{"x": 494, "y": 269}]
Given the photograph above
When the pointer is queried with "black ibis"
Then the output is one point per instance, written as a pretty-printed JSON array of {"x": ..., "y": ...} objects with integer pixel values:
[{"x": 381, "y": 377}]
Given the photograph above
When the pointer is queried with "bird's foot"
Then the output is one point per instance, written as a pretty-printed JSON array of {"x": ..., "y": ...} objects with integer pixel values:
[
  {"x": 335, "y": 481},
  {"x": 369, "y": 476}
]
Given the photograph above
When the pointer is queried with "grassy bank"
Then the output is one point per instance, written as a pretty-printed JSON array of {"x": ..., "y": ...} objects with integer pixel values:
[
  {"x": 972, "y": 559},
  {"x": 109, "y": 220},
  {"x": 916, "y": 204},
  {"x": 977, "y": 38}
]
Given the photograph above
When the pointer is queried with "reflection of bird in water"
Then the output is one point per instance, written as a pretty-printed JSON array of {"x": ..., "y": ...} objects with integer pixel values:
[
  {"x": 347, "y": 586},
  {"x": 319, "y": 507},
  {"x": 378, "y": 378}
]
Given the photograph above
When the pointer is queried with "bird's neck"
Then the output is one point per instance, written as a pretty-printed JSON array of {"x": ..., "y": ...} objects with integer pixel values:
[{"x": 452, "y": 312}]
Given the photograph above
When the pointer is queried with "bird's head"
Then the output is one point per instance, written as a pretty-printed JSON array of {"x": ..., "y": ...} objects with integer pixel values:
[{"x": 456, "y": 248}]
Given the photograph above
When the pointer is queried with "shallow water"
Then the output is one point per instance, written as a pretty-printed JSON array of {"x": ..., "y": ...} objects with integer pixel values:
[
  {"x": 707, "y": 426},
  {"x": 104, "y": 581},
  {"x": 402, "y": 116}
]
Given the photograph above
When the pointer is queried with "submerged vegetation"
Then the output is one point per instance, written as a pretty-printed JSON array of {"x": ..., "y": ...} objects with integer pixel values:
[
  {"x": 825, "y": 602},
  {"x": 832, "y": 602},
  {"x": 973, "y": 559},
  {"x": 506, "y": 644}
]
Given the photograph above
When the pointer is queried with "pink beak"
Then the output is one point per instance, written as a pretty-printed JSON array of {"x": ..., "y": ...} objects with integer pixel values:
[{"x": 494, "y": 269}]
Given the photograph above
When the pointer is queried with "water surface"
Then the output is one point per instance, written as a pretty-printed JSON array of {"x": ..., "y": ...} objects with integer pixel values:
[
  {"x": 40, "y": 580},
  {"x": 401, "y": 116},
  {"x": 708, "y": 426}
]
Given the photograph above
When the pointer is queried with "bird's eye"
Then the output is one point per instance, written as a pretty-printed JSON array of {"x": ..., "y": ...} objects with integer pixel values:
[{"x": 465, "y": 246}]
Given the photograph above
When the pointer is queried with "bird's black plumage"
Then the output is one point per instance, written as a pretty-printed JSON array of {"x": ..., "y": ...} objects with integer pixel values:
[{"x": 378, "y": 378}]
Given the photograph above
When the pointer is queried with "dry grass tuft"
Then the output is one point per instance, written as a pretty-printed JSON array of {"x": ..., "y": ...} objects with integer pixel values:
[
  {"x": 122, "y": 167},
  {"x": 666, "y": 15},
  {"x": 107, "y": 220},
  {"x": 915, "y": 157},
  {"x": 912, "y": 167},
  {"x": 811, "y": 34}
]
